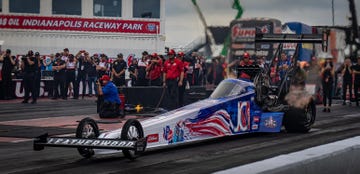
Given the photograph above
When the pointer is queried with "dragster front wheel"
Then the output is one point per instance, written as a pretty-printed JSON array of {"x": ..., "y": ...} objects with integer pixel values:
[
  {"x": 132, "y": 130},
  {"x": 87, "y": 128}
]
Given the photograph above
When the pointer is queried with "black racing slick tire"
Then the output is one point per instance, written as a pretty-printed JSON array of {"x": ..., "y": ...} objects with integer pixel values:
[
  {"x": 132, "y": 130},
  {"x": 87, "y": 128},
  {"x": 300, "y": 120}
]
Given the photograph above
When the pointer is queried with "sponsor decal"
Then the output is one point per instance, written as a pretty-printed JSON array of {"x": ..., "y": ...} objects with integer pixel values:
[
  {"x": 256, "y": 119},
  {"x": 153, "y": 138},
  {"x": 90, "y": 142},
  {"x": 168, "y": 134},
  {"x": 255, "y": 126},
  {"x": 270, "y": 123},
  {"x": 78, "y": 24}
]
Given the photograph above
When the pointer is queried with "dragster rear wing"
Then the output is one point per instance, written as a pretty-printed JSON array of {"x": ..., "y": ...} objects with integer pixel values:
[
  {"x": 118, "y": 144},
  {"x": 290, "y": 38}
]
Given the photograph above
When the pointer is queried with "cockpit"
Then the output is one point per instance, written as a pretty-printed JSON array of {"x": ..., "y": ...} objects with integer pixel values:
[{"x": 230, "y": 87}]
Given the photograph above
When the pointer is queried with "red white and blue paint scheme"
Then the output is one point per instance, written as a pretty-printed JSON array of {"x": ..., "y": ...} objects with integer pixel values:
[{"x": 230, "y": 110}]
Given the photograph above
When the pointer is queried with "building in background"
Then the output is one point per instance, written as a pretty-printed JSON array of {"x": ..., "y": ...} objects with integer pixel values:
[{"x": 98, "y": 26}]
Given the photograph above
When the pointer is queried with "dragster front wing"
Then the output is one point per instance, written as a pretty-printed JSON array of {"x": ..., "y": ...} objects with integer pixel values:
[{"x": 44, "y": 140}]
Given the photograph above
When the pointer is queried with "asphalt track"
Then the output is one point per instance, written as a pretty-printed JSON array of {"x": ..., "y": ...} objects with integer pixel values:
[{"x": 20, "y": 122}]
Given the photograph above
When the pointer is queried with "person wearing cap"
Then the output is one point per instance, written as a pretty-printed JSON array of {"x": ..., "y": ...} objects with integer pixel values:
[
  {"x": 173, "y": 77},
  {"x": 29, "y": 66},
  {"x": 109, "y": 100},
  {"x": 327, "y": 79},
  {"x": 5, "y": 75},
  {"x": 181, "y": 57},
  {"x": 347, "y": 79},
  {"x": 118, "y": 70},
  {"x": 154, "y": 70},
  {"x": 356, "y": 71}
]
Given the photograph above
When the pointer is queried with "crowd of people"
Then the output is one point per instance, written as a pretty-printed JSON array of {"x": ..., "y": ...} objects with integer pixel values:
[
  {"x": 63, "y": 72},
  {"x": 173, "y": 70}
]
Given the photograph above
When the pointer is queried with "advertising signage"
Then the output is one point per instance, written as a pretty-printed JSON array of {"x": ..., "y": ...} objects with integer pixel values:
[{"x": 78, "y": 24}]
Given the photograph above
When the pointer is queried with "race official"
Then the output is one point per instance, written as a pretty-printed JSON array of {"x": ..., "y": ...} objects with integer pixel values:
[
  {"x": 173, "y": 77},
  {"x": 154, "y": 70},
  {"x": 118, "y": 70},
  {"x": 29, "y": 66},
  {"x": 109, "y": 101}
]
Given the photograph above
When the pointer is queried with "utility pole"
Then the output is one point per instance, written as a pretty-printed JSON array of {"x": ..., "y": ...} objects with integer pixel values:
[
  {"x": 333, "y": 12},
  {"x": 354, "y": 39}
]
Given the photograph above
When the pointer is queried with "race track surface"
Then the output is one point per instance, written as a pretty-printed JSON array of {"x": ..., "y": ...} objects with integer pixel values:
[{"x": 19, "y": 123}]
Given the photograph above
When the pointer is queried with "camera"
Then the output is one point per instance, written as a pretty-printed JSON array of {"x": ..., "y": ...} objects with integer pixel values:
[{"x": 23, "y": 57}]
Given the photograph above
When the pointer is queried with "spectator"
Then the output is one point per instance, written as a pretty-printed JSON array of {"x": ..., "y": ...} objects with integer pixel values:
[
  {"x": 154, "y": 70},
  {"x": 199, "y": 69},
  {"x": 108, "y": 98},
  {"x": 142, "y": 64},
  {"x": 102, "y": 66},
  {"x": 283, "y": 65},
  {"x": 70, "y": 76},
  {"x": 38, "y": 73},
  {"x": 356, "y": 70},
  {"x": 90, "y": 68},
  {"x": 81, "y": 73},
  {"x": 8, "y": 64},
  {"x": 173, "y": 77},
  {"x": 184, "y": 82},
  {"x": 29, "y": 67},
  {"x": 274, "y": 73},
  {"x": 239, "y": 63},
  {"x": 347, "y": 79},
  {"x": 58, "y": 68},
  {"x": 65, "y": 55},
  {"x": 327, "y": 74},
  {"x": 133, "y": 70},
  {"x": 118, "y": 70}
]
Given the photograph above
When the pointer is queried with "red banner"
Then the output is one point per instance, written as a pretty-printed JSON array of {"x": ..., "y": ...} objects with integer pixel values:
[{"x": 78, "y": 24}]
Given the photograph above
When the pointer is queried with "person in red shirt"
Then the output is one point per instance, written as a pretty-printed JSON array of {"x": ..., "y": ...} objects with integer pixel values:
[
  {"x": 173, "y": 77},
  {"x": 154, "y": 70}
]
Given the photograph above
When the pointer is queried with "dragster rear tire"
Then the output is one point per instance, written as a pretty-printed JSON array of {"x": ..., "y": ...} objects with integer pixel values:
[
  {"x": 300, "y": 120},
  {"x": 132, "y": 130},
  {"x": 87, "y": 128}
]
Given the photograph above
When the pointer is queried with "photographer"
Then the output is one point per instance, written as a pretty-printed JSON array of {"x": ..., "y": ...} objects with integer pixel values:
[
  {"x": 7, "y": 65},
  {"x": 90, "y": 68},
  {"x": 81, "y": 75},
  {"x": 108, "y": 101},
  {"x": 154, "y": 70},
  {"x": 118, "y": 70},
  {"x": 29, "y": 66}
]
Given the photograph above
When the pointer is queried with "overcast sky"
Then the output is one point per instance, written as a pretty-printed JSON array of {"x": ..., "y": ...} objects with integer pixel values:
[{"x": 183, "y": 24}]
